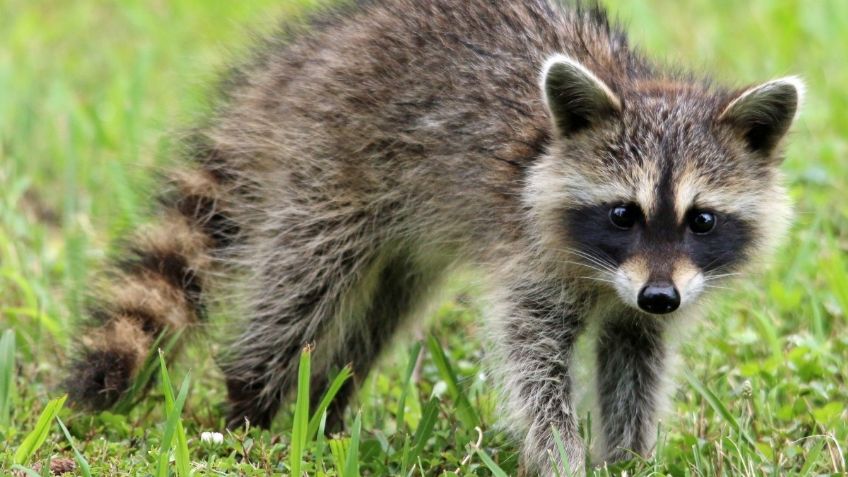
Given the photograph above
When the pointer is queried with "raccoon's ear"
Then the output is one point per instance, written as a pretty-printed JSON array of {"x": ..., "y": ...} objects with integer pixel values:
[
  {"x": 575, "y": 97},
  {"x": 764, "y": 113}
]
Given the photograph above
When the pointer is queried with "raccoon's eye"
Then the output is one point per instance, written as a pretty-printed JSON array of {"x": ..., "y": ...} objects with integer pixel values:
[
  {"x": 624, "y": 216},
  {"x": 702, "y": 223}
]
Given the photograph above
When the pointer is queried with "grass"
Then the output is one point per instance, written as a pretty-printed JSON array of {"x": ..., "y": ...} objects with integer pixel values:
[
  {"x": 89, "y": 94},
  {"x": 173, "y": 425}
]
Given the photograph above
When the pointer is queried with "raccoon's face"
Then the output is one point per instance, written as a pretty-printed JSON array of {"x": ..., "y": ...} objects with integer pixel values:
[{"x": 660, "y": 190}]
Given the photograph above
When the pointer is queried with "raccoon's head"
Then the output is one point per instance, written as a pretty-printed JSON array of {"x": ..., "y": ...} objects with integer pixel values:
[{"x": 658, "y": 189}]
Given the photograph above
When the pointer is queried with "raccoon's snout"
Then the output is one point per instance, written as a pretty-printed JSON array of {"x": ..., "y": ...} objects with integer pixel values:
[
  {"x": 659, "y": 298},
  {"x": 651, "y": 290}
]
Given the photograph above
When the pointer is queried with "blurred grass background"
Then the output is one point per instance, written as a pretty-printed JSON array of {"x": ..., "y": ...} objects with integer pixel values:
[{"x": 92, "y": 91}]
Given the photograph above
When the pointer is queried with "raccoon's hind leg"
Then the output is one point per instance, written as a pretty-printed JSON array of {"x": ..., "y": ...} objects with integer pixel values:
[
  {"x": 348, "y": 304},
  {"x": 402, "y": 284},
  {"x": 294, "y": 296},
  {"x": 631, "y": 356},
  {"x": 156, "y": 286}
]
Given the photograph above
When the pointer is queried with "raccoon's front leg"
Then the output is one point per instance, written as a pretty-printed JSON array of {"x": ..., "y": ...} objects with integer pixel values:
[
  {"x": 631, "y": 357},
  {"x": 535, "y": 335}
]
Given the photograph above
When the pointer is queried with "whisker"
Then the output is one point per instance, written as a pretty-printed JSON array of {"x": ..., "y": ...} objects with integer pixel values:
[
  {"x": 717, "y": 270},
  {"x": 599, "y": 255},
  {"x": 592, "y": 261},
  {"x": 589, "y": 266},
  {"x": 598, "y": 261},
  {"x": 717, "y": 287},
  {"x": 723, "y": 275},
  {"x": 599, "y": 279}
]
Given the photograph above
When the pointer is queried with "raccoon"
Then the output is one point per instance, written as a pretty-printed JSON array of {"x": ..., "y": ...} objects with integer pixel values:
[{"x": 360, "y": 156}]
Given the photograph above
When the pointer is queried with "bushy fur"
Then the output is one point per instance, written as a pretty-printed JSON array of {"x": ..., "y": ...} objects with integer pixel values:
[{"x": 360, "y": 156}]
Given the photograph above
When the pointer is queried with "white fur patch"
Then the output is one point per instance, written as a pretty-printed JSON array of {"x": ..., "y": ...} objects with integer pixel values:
[
  {"x": 629, "y": 280},
  {"x": 688, "y": 280}
]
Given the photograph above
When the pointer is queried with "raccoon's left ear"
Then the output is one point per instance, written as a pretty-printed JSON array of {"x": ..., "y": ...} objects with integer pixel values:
[
  {"x": 764, "y": 113},
  {"x": 575, "y": 97}
]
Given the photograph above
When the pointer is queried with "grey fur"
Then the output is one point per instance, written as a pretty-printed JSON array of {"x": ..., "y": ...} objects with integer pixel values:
[{"x": 360, "y": 157}]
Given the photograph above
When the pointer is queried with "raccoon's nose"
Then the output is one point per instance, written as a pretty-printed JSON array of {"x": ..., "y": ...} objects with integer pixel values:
[{"x": 659, "y": 298}]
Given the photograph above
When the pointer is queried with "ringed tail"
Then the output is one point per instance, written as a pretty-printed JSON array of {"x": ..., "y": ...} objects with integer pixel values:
[{"x": 155, "y": 288}]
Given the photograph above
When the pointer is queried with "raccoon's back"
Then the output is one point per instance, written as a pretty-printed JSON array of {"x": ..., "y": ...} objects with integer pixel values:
[{"x": 395, "y": 92}]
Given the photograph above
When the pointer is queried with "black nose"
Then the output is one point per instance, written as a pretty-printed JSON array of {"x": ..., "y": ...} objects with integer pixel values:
[{"x": 659, "y": 298}]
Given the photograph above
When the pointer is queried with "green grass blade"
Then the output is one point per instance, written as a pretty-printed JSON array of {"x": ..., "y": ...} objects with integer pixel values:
[
  {"x": 32, "y": 302},
  {"x": 301, "y": 413},
  {"x": 563, "y": 455},
  {"x": 400, "y": 415},
  {"x": 320, "y": 443},
  {"x": 812, "y": 458},
  {"x": 465, "y": 412},
  {"x": 404, "y": 456},
  {"x": 699, "y": 462},
  {"x": 494, "y": 468},
  {"x": 768, "y": 332},
  {"x": 425, "y": 429},
  {"x": 7, "y": 376},
  {"x": 351, "y": 468},
  {"x": 817, "y": 318},
  {"x": 181, "y": 454},
  {"x": 837, "y": 277},
  {"x": 83, "y": 463},
  {"x": 173, "y": 421},
  {"x": 148, "y": 371},
  {"x": 720, "y": 408},
  {"x": 334, "y": 389},
  {"x": 36, "y": 438},
  {"x": 338, "y": 450}
]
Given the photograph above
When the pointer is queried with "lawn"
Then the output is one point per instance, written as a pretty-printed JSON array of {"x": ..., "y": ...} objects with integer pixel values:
[{"x": 91, "y": 94}]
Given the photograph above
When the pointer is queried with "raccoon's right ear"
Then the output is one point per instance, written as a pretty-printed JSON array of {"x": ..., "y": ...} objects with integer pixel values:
[{"x": 575, "y": 97}]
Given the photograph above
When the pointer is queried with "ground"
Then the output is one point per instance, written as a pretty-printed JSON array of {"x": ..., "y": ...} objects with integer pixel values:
[{"x": 91, "y": 93}]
